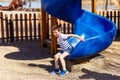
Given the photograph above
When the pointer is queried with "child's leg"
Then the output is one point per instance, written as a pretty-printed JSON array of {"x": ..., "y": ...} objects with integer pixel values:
[
  {"x": 56, "y": 57},
  {"x": 62, "y": 56}
]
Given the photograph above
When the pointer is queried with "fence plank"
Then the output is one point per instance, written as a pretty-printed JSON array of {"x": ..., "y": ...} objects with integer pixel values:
[
  {"x": 11, "y": 28},
  {"x": 72, "y": 28},
  {"x": 21, "y": 26},
  {"x": 39, "y": 28},
  {"x": 17, "y": 33},
  {"x": 7, "y": 29},
  {"x": 30, "y": 24},
  {"x": 107, "y": 14},
  {"x": 2, "y": 28},
  {"x": 68, "y": 28},
  {"x": 26, "y": 27},
  {"x": 47, "y": 25},
  {"x": 110, "y": 15},
  {"x": 64, "y": 27},
  {"x": 34, "y": 26},
  {"x": 103, "y": 14},
  {"x": 115, "y": 17},
  {"x": 100, "y": 13}
]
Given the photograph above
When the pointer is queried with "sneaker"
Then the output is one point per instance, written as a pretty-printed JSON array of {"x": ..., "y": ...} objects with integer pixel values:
[
  {"x": 63, "y": 72},
  {"x": 55, "y": 71}
]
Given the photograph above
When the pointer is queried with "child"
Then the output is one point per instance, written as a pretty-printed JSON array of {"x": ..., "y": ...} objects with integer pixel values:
[{"x": 66, "y": 49}]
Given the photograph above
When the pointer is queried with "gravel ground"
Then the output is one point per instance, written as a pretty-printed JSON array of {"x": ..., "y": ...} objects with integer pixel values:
[{"x": 29, "y": 61}]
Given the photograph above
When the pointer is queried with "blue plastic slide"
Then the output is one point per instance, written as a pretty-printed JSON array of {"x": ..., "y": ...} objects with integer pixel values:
[{"x": 98, "y": 31}]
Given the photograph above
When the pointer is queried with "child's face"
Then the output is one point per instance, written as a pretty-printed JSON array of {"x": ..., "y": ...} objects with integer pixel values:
[{"x": 56, "y": 33}]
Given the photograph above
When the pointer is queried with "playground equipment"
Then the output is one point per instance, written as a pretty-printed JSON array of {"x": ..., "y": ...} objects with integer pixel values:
[
  {"x": 15, "y": 5},
  {"x": 98, "y": 31}
]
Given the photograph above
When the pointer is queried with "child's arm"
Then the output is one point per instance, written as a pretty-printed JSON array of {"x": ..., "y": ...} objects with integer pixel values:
[{"x": 76, "y": 36}]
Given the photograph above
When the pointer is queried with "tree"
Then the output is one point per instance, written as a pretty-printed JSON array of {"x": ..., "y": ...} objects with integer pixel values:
[{"x": 107, "y": 4}]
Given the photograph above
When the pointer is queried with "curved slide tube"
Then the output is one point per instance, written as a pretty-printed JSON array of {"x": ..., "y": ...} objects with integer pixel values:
[{"x": 98, "y": 31}]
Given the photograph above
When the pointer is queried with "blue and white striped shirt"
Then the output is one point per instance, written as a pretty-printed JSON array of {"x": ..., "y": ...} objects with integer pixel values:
[{"x": 62, "y": 41}]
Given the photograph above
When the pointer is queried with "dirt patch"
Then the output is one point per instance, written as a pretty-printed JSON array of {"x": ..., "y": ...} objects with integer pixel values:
[{"x": 29, "y": 61}]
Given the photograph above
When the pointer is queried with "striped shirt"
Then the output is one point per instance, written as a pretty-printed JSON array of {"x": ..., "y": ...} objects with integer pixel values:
[{"x": 62, "y": 41}]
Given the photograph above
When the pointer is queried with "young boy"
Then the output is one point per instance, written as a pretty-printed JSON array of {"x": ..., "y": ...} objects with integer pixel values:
[{"x": 66, "y": 49}]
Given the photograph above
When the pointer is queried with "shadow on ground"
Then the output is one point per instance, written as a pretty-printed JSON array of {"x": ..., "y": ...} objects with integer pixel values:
[
  {"x": 31, "y": 50},
  {"x": 28, "y": 50},
  {"x": 98, "y": 76},
  {"x": 46, "y": 67},
  {"x": 117, "y": 38}
]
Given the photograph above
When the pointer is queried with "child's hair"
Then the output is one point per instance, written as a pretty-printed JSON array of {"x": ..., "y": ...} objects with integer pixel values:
[{"x": 57, "y": 27}]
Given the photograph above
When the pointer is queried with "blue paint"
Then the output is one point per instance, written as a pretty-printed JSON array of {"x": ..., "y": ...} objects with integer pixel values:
[{"x": 98, "y": 31}]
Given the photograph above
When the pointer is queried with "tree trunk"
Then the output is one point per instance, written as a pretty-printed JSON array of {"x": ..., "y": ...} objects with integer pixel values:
[{"x": 107, "y": 4}]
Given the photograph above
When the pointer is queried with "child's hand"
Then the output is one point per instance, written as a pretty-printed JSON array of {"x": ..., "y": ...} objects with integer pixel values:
[{"x": 81, "y": 38}]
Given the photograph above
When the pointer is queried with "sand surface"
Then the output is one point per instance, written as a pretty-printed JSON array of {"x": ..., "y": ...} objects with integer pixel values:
[{"x": 29, "y": 61}]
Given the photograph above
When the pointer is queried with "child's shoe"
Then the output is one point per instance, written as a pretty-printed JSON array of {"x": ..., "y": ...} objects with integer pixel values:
[
  {"x": 55, "y": 71},
  {"x": 63, "y": 72}
]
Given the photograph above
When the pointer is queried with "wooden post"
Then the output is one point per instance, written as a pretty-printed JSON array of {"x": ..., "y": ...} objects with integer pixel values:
[
  {"x": 17, "y": 29},
  {"x": 30, "y": 24},
  {"x": 35, "y": 26},
  {"x": 7, "y": 29},
  {"x": 53, "y": 39},
  {"x": 64, "y": 27},
  {"x": 39, "y": 27},
  {"x": 44, "y": 30},
  {"x": 21, "y": 26},
  {"x": 72, "y": 29},
  {"x": 2, "y": 27},
  {"x": 26, "y": 27},
  {"x": 43, "y": 14},
  {"x": 119, "y": 4},
  {"x": 11, "y": 28},
  {"x": 47, "y": 25},
  {"x": 115, "y": 17},
  {"x": 94, "y": 6}
]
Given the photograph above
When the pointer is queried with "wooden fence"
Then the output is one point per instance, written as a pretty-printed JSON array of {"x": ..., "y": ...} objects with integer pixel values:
[
  {"x": 19, "y": 27},
  {"x": 33, "y": 26}
]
